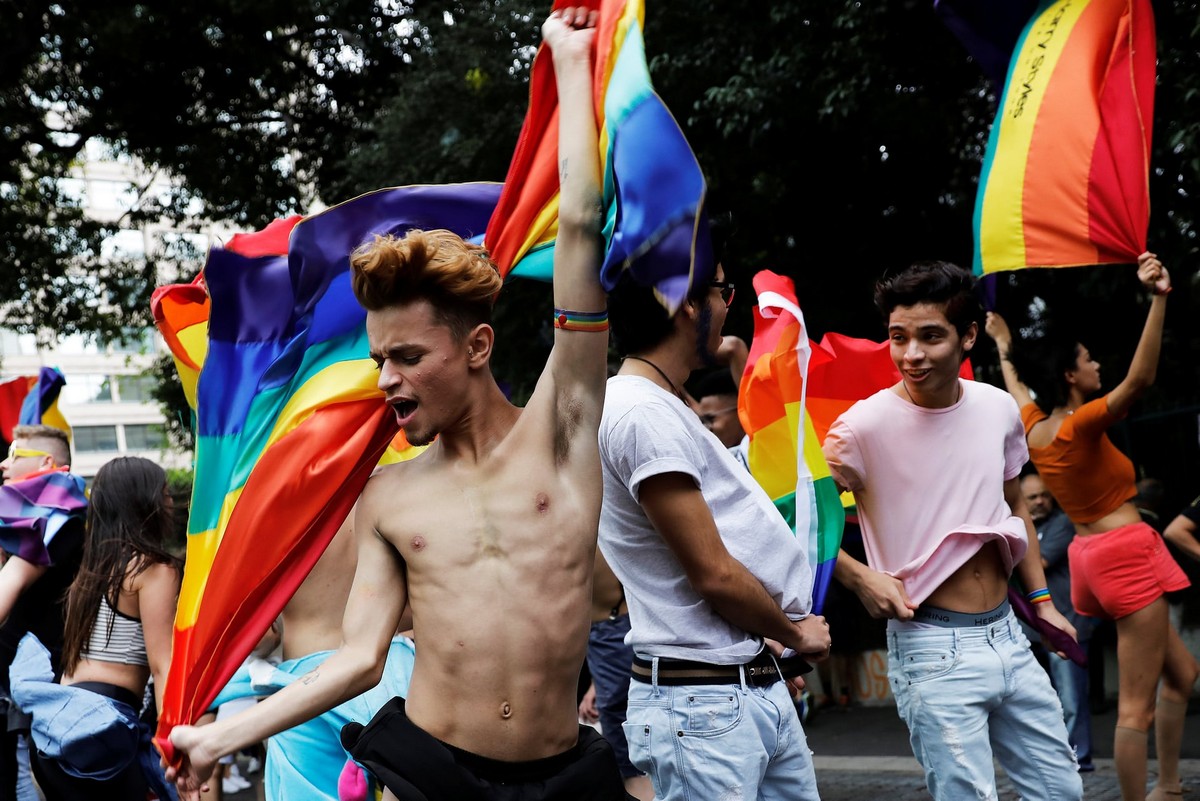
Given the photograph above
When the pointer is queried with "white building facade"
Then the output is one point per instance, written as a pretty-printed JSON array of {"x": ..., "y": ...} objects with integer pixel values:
[{"x": 106, "y": 399}]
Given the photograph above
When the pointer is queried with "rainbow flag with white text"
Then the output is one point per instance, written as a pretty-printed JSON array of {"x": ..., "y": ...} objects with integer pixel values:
[{"x": 1066, "y": 177}]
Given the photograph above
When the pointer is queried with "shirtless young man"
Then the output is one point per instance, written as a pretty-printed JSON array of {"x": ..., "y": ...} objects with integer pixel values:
[
  {"x": 933, "y": 463},
  {"x": 490, "y": 534}
]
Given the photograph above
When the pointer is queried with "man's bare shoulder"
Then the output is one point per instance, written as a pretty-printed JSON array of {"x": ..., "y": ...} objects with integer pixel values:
[{"x": 395, "y": 483}]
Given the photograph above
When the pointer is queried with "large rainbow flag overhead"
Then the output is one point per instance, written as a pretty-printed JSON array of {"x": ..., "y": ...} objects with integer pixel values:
[
  {"x": 654, "y": 192},
  {"x": 289, "y": 420},
  {"x": 1066, "y": 177},
  {"x": 785, "y": 451}
]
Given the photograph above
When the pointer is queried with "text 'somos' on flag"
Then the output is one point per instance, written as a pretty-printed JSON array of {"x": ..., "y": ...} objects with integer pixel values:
[
  {"x": 654, "y": 221},
  {"x": 289, "y": 422},
  {"x": 785, "y": 451},
  {"x": 1066, "y": 177}
]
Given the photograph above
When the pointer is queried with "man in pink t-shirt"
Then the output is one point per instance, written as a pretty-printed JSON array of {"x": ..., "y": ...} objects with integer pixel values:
[{"x": 933, "y": 463}]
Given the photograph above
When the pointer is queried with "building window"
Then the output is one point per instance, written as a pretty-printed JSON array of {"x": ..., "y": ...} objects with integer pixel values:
[
  {"x": 87, "y": 388},
  {"x": 145, "y": 438},
  {"x": 95, "y": 439},
  {"x": 135, "y": 388}
]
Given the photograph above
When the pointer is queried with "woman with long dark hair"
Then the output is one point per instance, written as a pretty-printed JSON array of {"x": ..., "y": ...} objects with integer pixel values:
[
  {"x": 117, "y": 634},
  {"x": 1120, "y": 568}
]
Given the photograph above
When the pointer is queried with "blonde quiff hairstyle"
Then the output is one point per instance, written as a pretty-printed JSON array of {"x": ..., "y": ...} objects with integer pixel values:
[{"x": 457, "y": 278}]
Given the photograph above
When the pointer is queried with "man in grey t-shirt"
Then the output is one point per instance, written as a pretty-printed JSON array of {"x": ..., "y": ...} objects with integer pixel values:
[{"x": 710, "y": 569}]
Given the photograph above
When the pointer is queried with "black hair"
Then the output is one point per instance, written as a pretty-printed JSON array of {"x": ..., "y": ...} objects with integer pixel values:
[
  {"x": 637, "y": 318},
  {"x": 128, "y": 523},
  {"x": 715, "y": 382},
  {"x": 1042, "y": 365},
  {"x": 932, "y": 282}
]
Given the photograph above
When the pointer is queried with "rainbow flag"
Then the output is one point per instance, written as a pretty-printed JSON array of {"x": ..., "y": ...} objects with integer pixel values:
[
  {"x": 654, "y": 192},
  {"x": 289, "y": 420},
  {"x": 12, "y": 397},
  {"x": 1066, "y": 177},
  {"x": 181, "y": 315},
  {"x": 40, "y": 406},
  {"x": 34, "y": 509},
  {"x": 785, "y": 451}
]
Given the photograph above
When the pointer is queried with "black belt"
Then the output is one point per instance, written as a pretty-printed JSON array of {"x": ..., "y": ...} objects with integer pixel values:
[{"x": 760, "y": 671}]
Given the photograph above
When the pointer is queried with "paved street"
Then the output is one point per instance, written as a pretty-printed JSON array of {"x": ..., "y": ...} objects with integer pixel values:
[{"x": 863, "y": 753}]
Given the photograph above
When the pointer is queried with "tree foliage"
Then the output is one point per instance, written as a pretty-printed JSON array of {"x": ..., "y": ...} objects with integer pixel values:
[{"x": 840, "y": 138}]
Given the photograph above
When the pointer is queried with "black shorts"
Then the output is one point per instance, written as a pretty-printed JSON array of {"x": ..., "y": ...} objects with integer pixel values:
[{"x": 418, "y": 767}]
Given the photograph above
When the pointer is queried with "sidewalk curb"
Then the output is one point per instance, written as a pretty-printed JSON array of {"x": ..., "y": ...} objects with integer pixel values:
[{"x": 908, "y": 764}]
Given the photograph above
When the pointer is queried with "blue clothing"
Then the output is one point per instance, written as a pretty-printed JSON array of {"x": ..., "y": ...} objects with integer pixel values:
[
  {"x": 1070, "y": 680},
  {"x": 88, "y": 736},
  {"x": 713, "y": 741},
  {"x": 1071, "y": 684},
  {"x": 305, "y": 761},
  {"x": 608, "y": 659},
  {"x": 970, "y": 693}
]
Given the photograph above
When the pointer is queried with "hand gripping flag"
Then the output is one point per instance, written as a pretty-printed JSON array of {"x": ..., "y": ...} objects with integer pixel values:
[
  {"x": 1066, "y": 177},
  {"x": 290, "y": 424},
  {"x": 785, "y": 452},
  {"x": 653, "y": 193}
]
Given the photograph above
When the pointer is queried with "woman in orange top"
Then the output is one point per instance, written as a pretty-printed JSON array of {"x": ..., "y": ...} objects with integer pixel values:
[{"x": 1119, "y": 566}]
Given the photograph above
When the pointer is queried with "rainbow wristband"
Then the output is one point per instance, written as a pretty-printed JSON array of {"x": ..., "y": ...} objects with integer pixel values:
[
  {"x": 1038, "y": 596},
  {"x": 569, "y": 320}
]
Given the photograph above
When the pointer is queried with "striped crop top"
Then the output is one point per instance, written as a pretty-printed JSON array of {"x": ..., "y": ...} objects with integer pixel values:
[{"x": 127, "y": 643}]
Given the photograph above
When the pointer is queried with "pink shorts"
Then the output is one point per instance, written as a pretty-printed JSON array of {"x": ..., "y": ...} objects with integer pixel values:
[{"x": 1116, "y": 573}]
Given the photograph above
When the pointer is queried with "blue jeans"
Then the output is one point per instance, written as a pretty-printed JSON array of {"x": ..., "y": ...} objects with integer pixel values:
[
  {"x": 1071, "y": 684},
  {"x": 608, "y": 660},
  {"x": 971, "y": 693},
  {"x": 719, "y": 742}
]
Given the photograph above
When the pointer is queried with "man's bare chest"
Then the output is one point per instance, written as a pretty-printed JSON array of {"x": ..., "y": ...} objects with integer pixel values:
[{"x": 518, "y": 520}]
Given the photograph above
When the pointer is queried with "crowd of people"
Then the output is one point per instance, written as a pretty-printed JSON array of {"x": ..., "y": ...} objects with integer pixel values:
[{"x": 435, "y": 650}]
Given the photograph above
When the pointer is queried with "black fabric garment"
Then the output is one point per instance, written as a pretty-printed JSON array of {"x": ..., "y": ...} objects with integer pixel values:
[{"x": 418, "y": 767}]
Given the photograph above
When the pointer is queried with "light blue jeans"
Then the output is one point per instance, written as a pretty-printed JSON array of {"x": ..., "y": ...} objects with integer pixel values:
[
  {"x": 973, "y": 693},
  {"x": 719, "y": 742}
]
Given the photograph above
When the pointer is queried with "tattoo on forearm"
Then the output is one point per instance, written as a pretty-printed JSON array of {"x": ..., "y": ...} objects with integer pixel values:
[
  {"x": 310, "y": 677},
  {"x": 562, "y": 170}
]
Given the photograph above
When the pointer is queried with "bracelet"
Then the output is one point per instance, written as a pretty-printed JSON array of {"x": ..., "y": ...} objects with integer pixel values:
[
  {"x": 1038, "y": 596},
  {"x": 569, "y": 320}
]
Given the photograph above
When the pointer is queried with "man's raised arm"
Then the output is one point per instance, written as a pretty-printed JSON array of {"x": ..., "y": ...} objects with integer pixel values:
[{"x": 579, "y": 360}]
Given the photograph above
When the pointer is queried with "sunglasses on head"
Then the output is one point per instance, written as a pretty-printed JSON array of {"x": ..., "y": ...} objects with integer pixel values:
[{"x": 22, "y": 453}]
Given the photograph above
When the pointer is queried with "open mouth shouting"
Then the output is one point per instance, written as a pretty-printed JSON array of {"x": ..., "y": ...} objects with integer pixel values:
[{"x": 404, "y": 409}]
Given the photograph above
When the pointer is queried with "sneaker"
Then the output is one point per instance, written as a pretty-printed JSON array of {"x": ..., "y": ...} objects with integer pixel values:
[
  {"x": 253, "y": 765},
  {"x": 233, "y": 784}
]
